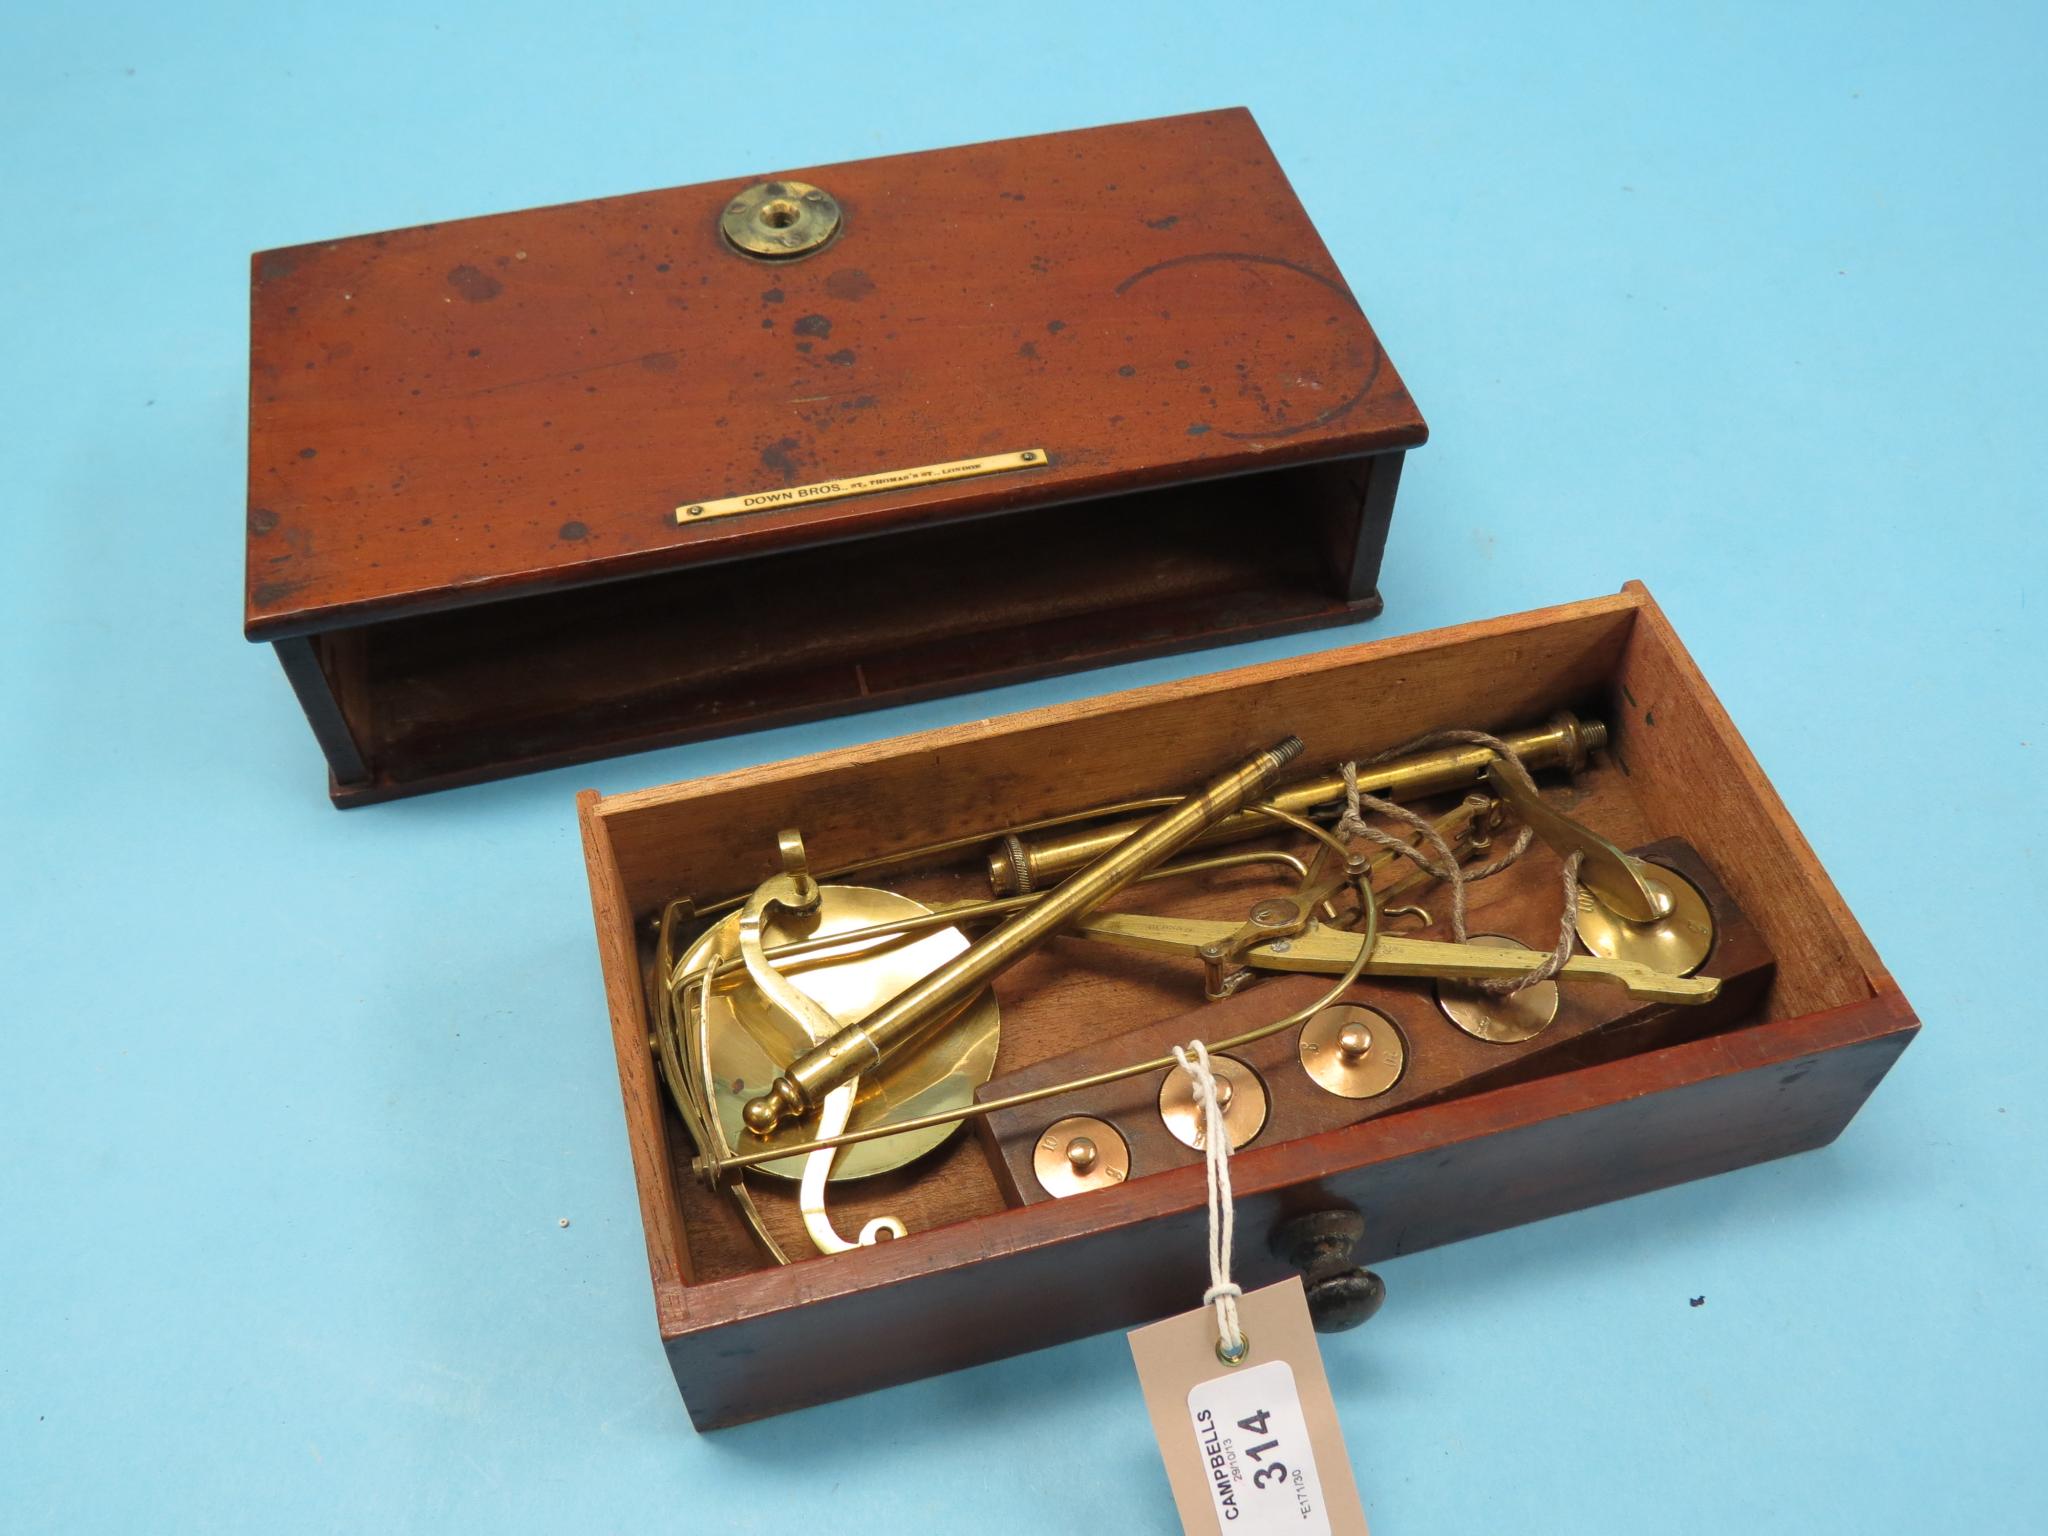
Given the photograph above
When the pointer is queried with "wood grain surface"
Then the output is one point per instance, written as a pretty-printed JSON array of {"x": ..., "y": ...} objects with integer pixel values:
[
  {"x": 747, "y": 1339},
  {"x": 468, "y": 442},
  {"x": 463, "y": 411}
]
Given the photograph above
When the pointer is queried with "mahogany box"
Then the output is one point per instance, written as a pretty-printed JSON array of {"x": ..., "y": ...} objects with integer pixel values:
[
  {"x": 980, "y": 1276},
  {"x": 541, "y": 487}
]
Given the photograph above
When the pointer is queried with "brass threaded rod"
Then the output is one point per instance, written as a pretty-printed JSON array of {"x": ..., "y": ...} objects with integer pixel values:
[
  {"x": 857, "y": 1047},
  {"x": 1018, "y": 864}
]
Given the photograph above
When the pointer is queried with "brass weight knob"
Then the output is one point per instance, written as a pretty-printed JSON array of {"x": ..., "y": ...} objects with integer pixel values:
[
  {"x": 1239, "y": 1095},
  {"x": 1341, "y": 1295},
  {"x": 1353, "y": 1051},
  {"x": 1078, "y": 1154}
]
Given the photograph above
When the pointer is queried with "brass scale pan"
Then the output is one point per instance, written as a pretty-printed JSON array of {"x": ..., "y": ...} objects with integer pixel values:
[{"x": 744, "y": 1043}]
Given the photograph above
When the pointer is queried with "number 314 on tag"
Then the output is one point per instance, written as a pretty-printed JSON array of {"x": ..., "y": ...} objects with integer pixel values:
[{"x": 1262, "y": 1474}]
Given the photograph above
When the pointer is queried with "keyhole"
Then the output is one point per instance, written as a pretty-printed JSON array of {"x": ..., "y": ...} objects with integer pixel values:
[{"x": 779, "y": 214}]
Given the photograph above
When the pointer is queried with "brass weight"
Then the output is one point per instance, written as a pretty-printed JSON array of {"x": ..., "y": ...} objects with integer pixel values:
[
  {"x": 1239, "y": 1094},
  {"x": 1078, "y": 1154},
  {"x": 1353, "y": 1051},
  {"x": 1676, "y": 943},
  {"x": 1499, "y": 1018}
]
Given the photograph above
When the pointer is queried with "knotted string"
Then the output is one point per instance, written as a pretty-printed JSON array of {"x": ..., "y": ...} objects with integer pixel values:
[
  {"x": 1353, "y": 824},
  {"x": 1231, "y": 1344}
]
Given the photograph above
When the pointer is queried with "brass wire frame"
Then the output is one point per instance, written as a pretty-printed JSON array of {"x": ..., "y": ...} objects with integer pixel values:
[
  {"x": 715, "y": 1160},
  {"x": 968, "y": 911},
  {"x": 925, "y": 851}
]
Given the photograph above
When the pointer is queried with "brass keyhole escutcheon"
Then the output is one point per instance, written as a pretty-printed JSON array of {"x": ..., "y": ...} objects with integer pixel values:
[{"x": 776, "y": 220}]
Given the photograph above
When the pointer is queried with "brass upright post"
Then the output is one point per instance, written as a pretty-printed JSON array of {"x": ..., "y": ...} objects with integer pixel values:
[
  {"x": 1019, "y": 864},
  {"x": 857, "y": 1047}
]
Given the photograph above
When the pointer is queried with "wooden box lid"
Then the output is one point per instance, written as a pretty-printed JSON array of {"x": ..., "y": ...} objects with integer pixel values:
[{"x": 503, "y": 406}]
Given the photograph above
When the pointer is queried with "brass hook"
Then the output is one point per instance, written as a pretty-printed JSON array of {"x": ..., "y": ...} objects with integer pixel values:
[{"x": 795, "y": 891}]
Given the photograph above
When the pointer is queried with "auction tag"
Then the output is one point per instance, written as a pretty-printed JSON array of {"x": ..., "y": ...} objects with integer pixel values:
[{"x": 1253, "y": 1448}]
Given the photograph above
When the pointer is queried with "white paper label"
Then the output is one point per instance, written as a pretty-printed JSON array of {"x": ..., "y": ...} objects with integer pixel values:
[{"x": 1254, "y": 1443}]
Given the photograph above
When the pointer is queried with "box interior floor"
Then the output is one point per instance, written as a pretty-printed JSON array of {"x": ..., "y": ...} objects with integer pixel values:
[{"x": 1672, "y": 769}]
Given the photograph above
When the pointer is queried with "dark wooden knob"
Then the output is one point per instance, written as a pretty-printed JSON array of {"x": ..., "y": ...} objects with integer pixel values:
[
  {"x": 1341, "y": 1295},
  {"x": 1345, "y": 1299}
]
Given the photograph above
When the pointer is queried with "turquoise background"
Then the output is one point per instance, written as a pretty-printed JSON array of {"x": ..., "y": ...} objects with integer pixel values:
[{"x": 1745, "y": 301}]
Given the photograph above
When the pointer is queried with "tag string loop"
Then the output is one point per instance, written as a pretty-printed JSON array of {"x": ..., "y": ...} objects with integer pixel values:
[{"x": 1231, "y": 1344}]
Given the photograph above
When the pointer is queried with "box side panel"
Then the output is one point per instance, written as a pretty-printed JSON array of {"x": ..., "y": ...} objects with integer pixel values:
[
  {"x": 317, "y": 697},
  {"x": 1694, "y": 774},
  {"x": 1427, "y": 1177},
  {"x": 668, "y": 1254}
]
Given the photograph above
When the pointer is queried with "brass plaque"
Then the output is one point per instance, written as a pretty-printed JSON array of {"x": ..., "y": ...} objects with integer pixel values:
[{"x": 862, "y": 485}]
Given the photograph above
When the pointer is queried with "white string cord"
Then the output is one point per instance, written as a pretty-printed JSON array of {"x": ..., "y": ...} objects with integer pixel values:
[{"x": 1231, "y": 1343}]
